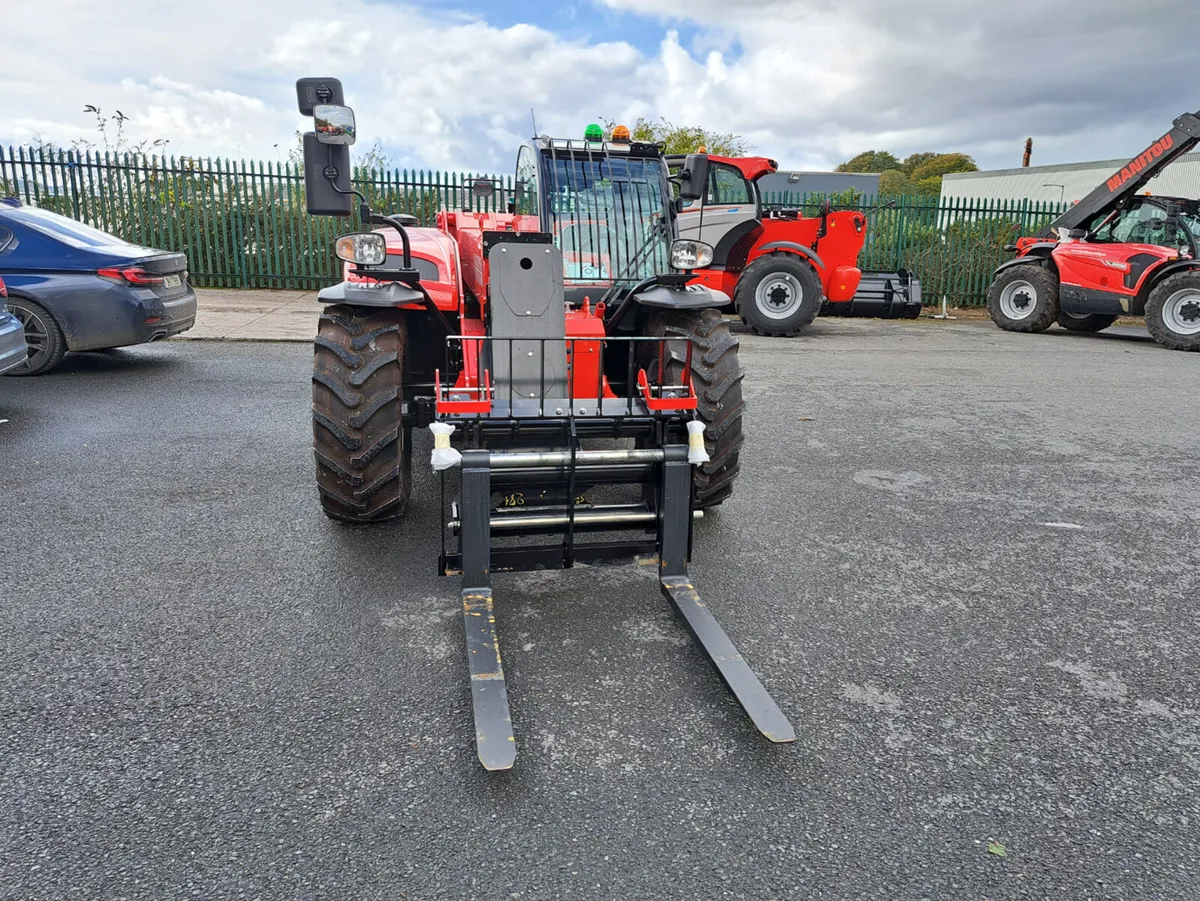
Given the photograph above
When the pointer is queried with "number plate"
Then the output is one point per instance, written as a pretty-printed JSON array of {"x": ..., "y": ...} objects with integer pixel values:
[{"x": 171, "y": 281}]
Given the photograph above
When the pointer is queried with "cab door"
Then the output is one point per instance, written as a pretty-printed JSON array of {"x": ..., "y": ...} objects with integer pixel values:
[
  {"x": 1102, "y": 274},
  {"x": 730, "y": 211}
]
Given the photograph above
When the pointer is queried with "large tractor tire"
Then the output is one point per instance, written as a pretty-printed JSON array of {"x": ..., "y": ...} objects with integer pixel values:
[
  {"x": 1085, "y": 322},
  {"x": 1024, "y": 299},
  {"x": 1173, "y": 311},
  {"x": 717, "y": 379},
  {"x": 363, "y": 465},
  {"x": 778, "y": 295}
]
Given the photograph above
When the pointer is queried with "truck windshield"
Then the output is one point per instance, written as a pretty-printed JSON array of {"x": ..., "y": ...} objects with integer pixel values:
[{"x": 607, "y": 215}]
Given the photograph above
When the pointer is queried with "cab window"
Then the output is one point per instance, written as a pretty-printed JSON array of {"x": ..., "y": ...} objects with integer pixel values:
[
  {"x": 726, "y": 184},
  {"x": 527, "y": 183},
  {"x": 1139, "y": 223}
]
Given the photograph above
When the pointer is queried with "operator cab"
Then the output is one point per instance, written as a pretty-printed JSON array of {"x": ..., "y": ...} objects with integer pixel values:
[
  {"x": 606, "y": 204},
  {"x": 1172, "y": 222},
  {"x": 731, "y": 210}
]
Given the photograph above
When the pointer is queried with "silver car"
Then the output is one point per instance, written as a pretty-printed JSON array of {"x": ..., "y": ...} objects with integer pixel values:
[{"x": 12, "y": 336}]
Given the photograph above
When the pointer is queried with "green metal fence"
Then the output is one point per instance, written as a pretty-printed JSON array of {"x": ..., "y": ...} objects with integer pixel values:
[{"x": 243, "y": 224}]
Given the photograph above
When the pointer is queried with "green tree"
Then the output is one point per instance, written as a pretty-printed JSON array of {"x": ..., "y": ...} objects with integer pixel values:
[
  {"x": 928, "y": 176},
  {"x": 913, "y": 160},
  {"x": 943, "y": 164},
  {"x": 919, "y": 173},
  {"x": 894, "y": 181},
  {"x": 870, "y": 161},
  {"x": 683, "y": 138}
]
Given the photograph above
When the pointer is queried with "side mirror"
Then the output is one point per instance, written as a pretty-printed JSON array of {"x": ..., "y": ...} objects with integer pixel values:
[
  {"x": 327, "y": 188},
  {"x": 693, "y": 176},
  {"x": 312, "y": 91},
  {"x": 334, "y": 124},
  {"x": 483, "y": 187}
]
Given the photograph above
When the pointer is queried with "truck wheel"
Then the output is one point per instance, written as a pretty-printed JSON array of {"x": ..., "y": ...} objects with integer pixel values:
[
  {"x": 778, "y": 295},
  {"x": 717, "y": 379},
  {"x": 1085, "y": 322},
  {"x": 363, "y": 470},
  {"x": 1024, "y": 299},
  {"x": 45, "y": 340},
  {"x": 1173, "y": 311}
]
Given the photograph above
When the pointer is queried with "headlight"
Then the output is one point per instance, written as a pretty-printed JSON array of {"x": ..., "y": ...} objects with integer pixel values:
[
  {"x": 367, "y": 249},
  {"x": 690, "y": 254}
]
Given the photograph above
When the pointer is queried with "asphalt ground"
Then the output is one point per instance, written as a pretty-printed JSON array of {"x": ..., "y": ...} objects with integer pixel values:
[{"x": 964, "y": 562}]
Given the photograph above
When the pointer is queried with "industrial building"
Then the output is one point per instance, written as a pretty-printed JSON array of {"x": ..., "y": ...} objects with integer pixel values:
[{"x": 1067, "y": 183}]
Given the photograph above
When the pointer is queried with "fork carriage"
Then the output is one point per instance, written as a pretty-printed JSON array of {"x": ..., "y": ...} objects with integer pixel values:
[{"x": 520, "y": 444}]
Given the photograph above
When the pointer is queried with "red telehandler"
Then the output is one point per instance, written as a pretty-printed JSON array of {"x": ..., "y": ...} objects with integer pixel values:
[
  {"x": 523, "y": 340},
  {"x": 1117, "y": 252},
  {"x": 780, "y": 267}
]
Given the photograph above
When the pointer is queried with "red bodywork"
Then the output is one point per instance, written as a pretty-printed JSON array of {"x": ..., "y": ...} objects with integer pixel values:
[
  {"x": 1106, "y": 268},
  {"x": 837, "y": 250},
  {"x": 455, "y": 247}
]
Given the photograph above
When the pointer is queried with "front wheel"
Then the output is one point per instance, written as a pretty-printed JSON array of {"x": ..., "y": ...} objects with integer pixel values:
[
  {"x": 717, "y": 380},
  {"x": 778, "y": 295},
  {"x": 1173, "y": 311},
  {"x": 1085, "y": 322},
  {"x": 363, "y": 459},
  {"x": 1024, "y": 299}
]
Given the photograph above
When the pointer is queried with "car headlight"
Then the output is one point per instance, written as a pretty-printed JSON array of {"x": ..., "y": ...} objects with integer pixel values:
[
  {"x": 367, "y": 249},
  {"x": 690, "y": 254}
]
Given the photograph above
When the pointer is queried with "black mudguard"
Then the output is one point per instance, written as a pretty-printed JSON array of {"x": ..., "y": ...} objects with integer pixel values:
[
  {"x": 389, "y": 294},
  {"x": 684, "y": 297},
  {"x": 792, "y": 247},
  {"x": 1036, "y": 255}
]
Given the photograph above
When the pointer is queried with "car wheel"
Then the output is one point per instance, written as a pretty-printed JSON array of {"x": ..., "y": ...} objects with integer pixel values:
[{"x": 45, "y": 340}]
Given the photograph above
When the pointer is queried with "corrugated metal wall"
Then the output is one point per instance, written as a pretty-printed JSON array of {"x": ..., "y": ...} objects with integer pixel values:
[{"x": 1180, "y": 179}]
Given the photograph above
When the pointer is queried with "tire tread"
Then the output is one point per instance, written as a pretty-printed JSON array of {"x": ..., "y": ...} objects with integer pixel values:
[{"x": 363, "y": 472}]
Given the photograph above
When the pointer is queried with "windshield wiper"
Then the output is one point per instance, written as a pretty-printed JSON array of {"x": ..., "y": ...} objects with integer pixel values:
[{"x": 657, "y": 230}]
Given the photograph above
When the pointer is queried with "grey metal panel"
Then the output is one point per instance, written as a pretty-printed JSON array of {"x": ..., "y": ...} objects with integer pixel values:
[
  {"x": 819, "y": 183},
  {"x": 526, "y": 296}
]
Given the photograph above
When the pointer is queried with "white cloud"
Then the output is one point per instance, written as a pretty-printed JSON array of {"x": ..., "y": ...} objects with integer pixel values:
[{"x": 809, "y": 82}]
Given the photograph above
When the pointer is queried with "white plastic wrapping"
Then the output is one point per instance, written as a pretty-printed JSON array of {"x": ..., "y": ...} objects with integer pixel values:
[
  {"x": 444, "y": 456},
  {"x": 696, "y": 451}
]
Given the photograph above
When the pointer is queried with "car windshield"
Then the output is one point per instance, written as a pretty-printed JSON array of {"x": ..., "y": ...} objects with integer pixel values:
[
  {"x": 76, "y": 234},
  {"x": 608, "y": 217}
]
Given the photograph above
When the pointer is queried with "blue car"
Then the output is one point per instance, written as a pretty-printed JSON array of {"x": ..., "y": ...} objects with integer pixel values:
[
  {"x": 74, "y": 287},
  {"x": 12, "y": 336}
]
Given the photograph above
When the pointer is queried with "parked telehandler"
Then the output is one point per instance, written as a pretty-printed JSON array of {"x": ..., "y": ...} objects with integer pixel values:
[
  {"x": 780, "y": 266},
  {"x": 530, "y": 343},
  {"x": 1118, "y": 252}
]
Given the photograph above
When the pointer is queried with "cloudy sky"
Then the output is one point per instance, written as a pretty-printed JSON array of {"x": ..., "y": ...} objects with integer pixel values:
[{"x": 450, "y": 84}]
